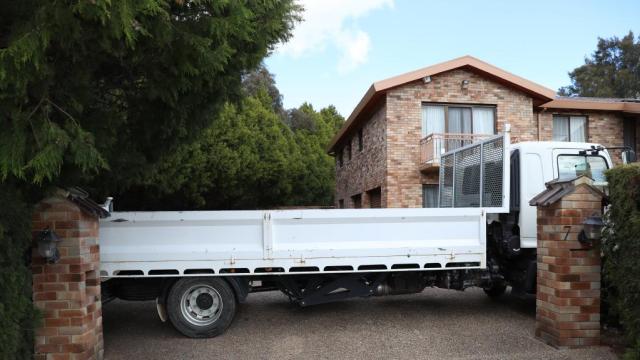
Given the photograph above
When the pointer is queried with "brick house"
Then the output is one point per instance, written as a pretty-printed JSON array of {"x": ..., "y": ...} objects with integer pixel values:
[{"x": 387, "y": 153}]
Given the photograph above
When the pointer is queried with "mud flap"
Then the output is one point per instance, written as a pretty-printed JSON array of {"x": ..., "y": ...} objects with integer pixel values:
[{"x": 162, "y": 310}]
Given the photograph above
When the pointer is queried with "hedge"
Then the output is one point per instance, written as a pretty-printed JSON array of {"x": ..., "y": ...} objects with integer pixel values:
[
  {"x": 17, "y": 313},
  {"x": 621, "y": 250}
]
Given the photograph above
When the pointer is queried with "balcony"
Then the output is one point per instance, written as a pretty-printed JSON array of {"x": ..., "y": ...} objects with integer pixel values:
[{"x": 434, "y": 145}]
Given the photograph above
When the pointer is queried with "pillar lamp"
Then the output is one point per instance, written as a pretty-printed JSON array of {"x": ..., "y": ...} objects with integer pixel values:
[
  {"x": 592, "y": 230},
  {"x": 48, "y": 246}
]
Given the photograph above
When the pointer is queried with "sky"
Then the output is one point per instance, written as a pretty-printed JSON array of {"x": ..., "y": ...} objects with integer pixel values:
[{"x": 343, "y": 46}]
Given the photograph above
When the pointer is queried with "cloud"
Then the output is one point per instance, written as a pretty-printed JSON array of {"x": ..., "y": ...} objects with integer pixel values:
[{"x": 332, "y": 23}]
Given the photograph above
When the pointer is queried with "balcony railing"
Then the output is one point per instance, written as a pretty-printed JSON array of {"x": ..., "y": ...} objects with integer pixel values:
[{"x": 434, "y": 145}]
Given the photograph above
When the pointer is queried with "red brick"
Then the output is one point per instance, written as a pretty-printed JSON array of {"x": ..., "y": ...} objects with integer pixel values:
[
  {"x": 46, "y": 331},
  {"x": 54, "y": 216},
  {"x": 54, "y": 286},
  {"x": 48, "y": 348},
  {"x": 60, "y": 357},
  {"x": 68, "y": 224},
  {"x": 58, "y": 340},
  {"x": 63, "y": 304},
  {"x": 580, "y": 285},
  {"x": 56, "y": 322},
  {"x": 74, "y": 348},
  {"x": 73, "y": 313},
  {"x": 71, "y": 260},
  {"x": 50, "y": 295},
  {"x": 72, "y": 277}
]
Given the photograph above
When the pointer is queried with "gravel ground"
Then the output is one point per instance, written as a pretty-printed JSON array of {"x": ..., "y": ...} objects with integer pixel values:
[{"x": 435, "y": 324}]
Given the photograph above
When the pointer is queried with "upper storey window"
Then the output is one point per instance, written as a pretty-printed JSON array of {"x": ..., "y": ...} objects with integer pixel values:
[
  {"x": 569, "y": 128},
  {"x": 457, "y": 119}
]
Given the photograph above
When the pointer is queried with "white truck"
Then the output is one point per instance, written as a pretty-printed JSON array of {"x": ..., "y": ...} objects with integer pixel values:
[{"x": 198, "y": 265}]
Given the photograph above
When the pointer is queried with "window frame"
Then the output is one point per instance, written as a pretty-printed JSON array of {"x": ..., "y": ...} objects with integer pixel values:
[
  {"x": 568, "y": 116},
  {"x": 578, "y": 155},
  {"x": 378, "y": 191},
  {"x": 358, "y": 198},
  {"x": 470, "y": 106},
  {"x": 437, "y": 187}
]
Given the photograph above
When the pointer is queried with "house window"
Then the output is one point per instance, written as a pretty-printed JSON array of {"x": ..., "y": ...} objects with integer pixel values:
[
  {"x": 340, "y": 158},
  {"x": 357, "y": 201},
  {"x": 458, "y": 119},
  {"x": 375, "y": 198},
  {"x": 360, "y": 140},
  {"x": 429, "y": 196},
  {"x": 341, "y": 204},
  {"x": 348, "y": 147},
  {"x": 569, "y": 128}
]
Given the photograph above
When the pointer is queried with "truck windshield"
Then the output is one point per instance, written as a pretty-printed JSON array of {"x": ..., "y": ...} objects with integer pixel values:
[{"x": 571, "y": 166}]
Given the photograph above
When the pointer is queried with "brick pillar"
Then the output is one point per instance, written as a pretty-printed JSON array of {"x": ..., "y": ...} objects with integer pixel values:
[
  {"x": 68, "y": 292},
  {"x": 568, "y": 291}
]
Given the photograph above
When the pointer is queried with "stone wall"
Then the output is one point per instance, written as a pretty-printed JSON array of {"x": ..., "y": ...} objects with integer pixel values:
[
  {"x": 404, "y": 121},
  {"x": 68, "y": 292},
  {"x": 568, "y": 281},
  {"x": 366, "y": 169}
]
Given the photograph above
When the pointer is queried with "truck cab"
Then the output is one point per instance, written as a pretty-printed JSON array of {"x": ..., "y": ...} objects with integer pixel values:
[
  {"x": 512, "y": 237},
  {"x": 543, "y": 161}
]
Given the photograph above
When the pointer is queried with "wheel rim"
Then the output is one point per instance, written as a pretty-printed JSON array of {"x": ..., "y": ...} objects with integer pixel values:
[{"x": 201, "y": 305}]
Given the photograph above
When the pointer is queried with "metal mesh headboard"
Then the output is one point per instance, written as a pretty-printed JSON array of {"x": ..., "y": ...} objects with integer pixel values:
[{"x": 473, "y": 175}]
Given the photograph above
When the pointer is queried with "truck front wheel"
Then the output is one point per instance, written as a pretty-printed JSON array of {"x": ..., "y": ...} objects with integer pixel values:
[
  {"x": 201, "y": 307},
  {"x": 495, "y": 290}
]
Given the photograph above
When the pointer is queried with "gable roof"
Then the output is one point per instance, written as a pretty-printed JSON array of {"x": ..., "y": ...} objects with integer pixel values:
[
  {"x": 543, "y": 97},
  {"x": 557, "y": 189},
  {"x": 377, "y": 89}
]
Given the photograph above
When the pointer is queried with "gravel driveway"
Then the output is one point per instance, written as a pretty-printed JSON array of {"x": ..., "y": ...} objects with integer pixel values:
[{"x": 435, "y": 324}]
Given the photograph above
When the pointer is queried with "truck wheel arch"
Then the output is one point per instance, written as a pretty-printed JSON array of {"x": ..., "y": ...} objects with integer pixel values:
[{"x": 240, "y": 288}]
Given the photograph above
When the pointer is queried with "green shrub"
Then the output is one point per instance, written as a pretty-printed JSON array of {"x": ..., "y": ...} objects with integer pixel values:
[
  {"x": 17, "y": 313},
  {"x": 621, "y": 248}
]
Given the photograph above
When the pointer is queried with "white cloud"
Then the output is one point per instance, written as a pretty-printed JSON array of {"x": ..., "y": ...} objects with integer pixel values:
[{"x": 333, "y": 23}]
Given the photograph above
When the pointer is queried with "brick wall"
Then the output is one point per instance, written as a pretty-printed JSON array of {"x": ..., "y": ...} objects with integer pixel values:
[
  {"x": 568, "y": 283},
  {"x": 68, "y": 292},
  {"x": 366, "y": 169},
  {"x": 404, "y": 121}
]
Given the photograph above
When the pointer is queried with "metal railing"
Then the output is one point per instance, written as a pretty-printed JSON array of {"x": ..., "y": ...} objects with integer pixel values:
[{"x": 434, "y": 145}]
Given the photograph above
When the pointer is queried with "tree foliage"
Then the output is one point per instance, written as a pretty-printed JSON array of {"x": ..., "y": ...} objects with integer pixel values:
[
  {"x": 16, "y": 310},
  {"x": 97, "y": 93},
  {"x": 114, "y": 85},
  {"x": 613, "y": 70},
  {"x": 249, "y": 158}
]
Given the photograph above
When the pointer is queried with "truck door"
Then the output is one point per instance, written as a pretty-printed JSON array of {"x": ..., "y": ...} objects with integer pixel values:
[{"x": 531, "y": 184}]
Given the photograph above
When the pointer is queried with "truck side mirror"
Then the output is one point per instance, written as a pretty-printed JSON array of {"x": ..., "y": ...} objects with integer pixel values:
[{"x": 628, "y": 156}]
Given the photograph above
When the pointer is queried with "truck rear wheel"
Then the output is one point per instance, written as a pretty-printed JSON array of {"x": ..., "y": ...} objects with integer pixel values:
[{"x": 201, "y": 307}]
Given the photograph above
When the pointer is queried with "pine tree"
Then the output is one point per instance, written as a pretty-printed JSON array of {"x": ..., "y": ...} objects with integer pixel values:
[
  {"x": 96, "y": 93},
  {"x": 613, "y": 70}
]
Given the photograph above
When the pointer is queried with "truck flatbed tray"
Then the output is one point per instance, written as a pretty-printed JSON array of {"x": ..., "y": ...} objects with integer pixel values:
[{"x": 237, "y": 243}]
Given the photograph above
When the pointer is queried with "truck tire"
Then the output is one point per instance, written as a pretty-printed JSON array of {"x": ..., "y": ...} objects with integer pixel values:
[
  {"x": 201, "y": 307},
  {"x": 495, "y": 290}
]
